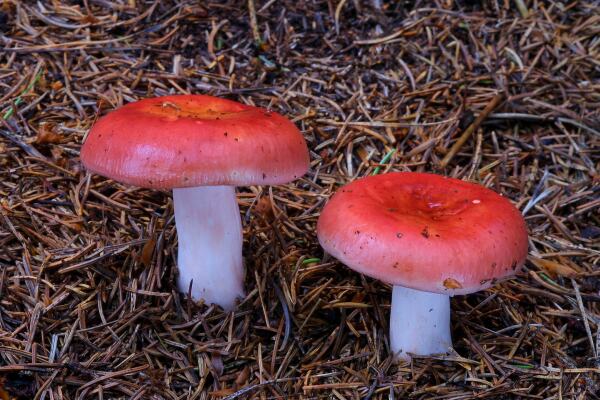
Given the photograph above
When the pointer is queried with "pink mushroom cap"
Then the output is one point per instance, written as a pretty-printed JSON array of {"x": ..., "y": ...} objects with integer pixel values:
[
  {"x": 424, "y": 231},
  {"x": 194, "y": 140}
]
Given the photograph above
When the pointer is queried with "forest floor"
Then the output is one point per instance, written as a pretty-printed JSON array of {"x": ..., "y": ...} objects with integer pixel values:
[{"x": 88, "y": 307}]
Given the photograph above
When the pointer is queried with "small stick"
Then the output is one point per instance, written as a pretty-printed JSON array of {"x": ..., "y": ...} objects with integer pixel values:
[
  {"x": 522, "y": 8},
  {"x": 584, "y": 316},
  {"x": 338, "y": 10},
  {"x": 253, "y": 23},
  {"x": 469, "y": 131},
  {"x": 286, "y": 315},
  {"x": 27, "y": 148}
]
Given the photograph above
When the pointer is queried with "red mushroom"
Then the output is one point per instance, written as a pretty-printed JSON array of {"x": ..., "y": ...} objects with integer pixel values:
[
  {"x": 201, "y": 147},
  {"x": 429, "y": 236}
]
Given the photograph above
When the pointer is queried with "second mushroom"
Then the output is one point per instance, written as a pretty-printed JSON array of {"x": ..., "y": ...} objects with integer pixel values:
[{"x": 429, "y": 236}]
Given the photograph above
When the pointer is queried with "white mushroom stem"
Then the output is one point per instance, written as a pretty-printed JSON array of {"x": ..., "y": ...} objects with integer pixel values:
[
  {"x": 419, "y": 322},
  {"x": 209, "y": 232}
]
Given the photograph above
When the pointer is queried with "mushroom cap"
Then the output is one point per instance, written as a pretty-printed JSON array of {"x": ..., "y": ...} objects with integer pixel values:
[
  {"x": 424, "y": 231},
  {"x": 195, "y": 140}
]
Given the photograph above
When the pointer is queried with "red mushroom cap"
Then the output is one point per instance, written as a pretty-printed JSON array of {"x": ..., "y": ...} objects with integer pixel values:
[
  {"x": 425, "y": 232},
  {"x": 195, "y": 140}
]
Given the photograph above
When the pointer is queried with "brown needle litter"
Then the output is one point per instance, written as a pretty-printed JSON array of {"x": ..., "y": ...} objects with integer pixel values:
[{"x": 88, "y": 303}]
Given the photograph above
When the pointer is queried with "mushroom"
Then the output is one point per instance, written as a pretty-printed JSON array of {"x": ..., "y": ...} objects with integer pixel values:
[
  {"x": 201, "y": 147},
  {"x": 429, "y": 236}
]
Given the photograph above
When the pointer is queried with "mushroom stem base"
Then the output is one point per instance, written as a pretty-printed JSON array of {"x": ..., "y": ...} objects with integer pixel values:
[
  {"x": 419, "y": 323},
  {"x": 209, "y": 233}
]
